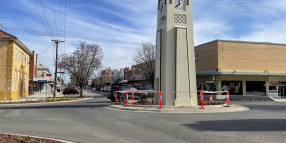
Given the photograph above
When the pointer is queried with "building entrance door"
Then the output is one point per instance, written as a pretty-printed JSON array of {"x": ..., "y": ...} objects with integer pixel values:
[{"x": 282, "y": 91}]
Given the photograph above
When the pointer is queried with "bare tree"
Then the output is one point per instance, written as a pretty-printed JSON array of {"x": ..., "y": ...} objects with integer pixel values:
[
  {"x": 82, "y": 62},
  {"x": 145, "y": 60}
]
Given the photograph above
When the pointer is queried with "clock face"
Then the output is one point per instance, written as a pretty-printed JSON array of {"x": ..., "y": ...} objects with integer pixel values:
[
  {"x": 180, "y": 4},
  {"x": 162, "y": 6}
]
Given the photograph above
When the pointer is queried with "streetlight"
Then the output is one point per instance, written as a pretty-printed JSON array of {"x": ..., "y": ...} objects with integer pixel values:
[{"x": 1, "y": 21}]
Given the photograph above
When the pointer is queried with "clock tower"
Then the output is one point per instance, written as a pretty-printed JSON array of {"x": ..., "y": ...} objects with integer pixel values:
[{"x": 175, "y": 57}]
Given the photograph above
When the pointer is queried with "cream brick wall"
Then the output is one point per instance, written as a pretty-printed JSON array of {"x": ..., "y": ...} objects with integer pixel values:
[
  {"x": 7, "y": 73},
  {"x": 208, "y": 55},
  {"x": 231, "y": 56},
  {"x": 251, "y": 57},
  {"x": 3, "y": 58}
]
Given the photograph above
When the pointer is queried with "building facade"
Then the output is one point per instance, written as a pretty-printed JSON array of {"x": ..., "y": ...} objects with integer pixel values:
[
  {"x": 142, "y": 78},
  {"x": 243, "y": 68},
  {"x": 14, "y": 67},
  {"x": 41, "y": 73},
  {"x": 32, "y": 72}
]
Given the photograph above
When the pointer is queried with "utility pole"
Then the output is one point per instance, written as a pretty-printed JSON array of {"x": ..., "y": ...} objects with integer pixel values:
[{"x": 56, "y": 66}]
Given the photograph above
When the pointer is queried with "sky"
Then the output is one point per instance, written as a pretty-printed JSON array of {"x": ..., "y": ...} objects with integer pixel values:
[{"x": 121, "y": 26}]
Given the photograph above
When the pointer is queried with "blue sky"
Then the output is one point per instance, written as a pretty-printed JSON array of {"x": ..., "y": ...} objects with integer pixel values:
[{"x": 120, "y": 26}]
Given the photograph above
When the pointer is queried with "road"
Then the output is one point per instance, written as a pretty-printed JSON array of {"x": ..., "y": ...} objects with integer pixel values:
[{"x": 89, "y": 121}]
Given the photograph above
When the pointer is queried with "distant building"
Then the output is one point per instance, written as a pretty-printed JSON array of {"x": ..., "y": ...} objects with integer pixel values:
[
  {"x": 42, "y": 71},
  {"x": 32, "y": 72},
  {"x": 127, "y": 73},
  {"x": 140, "y": 80},
  {"x": 244, "y": 68},
  {"x": 73, "y": 81},
  {"x": 14, "y": 67}
]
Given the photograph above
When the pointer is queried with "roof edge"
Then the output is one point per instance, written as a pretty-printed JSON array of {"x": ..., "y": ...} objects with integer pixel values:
[{"x": 219, "y": 40}]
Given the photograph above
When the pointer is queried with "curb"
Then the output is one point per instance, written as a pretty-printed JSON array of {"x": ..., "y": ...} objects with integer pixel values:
[
  {"x": 53, "y": 139},
  {"x": 207, "y": 109},
  {"x": 46, "y": 102}
]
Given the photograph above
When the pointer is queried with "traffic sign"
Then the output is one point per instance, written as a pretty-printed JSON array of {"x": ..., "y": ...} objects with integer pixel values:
[
  {"x": 48, "y": 74},
  {"x": 42, "y": 81}
]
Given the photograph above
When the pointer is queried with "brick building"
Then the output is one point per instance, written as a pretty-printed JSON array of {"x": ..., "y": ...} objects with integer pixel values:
[
  {"x": 244, "y": 68},
  {"x": 14, "y": 67},
  {"x": 32, "y": 71}
]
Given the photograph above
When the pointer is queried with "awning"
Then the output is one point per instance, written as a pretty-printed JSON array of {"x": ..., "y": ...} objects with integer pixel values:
[{"x": 273, "y": 83}]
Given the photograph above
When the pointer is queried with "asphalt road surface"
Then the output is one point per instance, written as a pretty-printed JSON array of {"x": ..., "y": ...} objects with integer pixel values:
[{"x": 89, "y": 121}]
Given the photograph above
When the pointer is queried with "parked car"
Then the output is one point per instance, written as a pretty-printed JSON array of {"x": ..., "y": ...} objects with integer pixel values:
[
  {"x": 106, "y": 89},
  {"x": 71, "y": 90},
  {"x": 122, "y": 96}
]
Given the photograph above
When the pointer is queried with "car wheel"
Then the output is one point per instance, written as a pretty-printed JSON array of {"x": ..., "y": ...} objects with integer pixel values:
[{"x": 122, "y": 98}]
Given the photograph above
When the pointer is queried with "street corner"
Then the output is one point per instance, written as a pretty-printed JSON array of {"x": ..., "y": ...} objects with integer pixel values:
[{"x": 179, "y": 109}]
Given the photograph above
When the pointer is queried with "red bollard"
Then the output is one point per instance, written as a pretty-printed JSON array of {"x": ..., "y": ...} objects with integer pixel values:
[
  {"x": 211, "y": 98},
  {"x": 115, "y": 97},
  {"x": 132, "y": 95},
  {"x": 227, "y": 99},
  {"x": 202, "y": 98},
  {"x": 160, "y": 99},
  {"x": 126, "y": 98}
]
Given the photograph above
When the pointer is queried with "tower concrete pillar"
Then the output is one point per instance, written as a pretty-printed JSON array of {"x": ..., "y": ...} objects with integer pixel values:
[{"x": 175, "y": 59}]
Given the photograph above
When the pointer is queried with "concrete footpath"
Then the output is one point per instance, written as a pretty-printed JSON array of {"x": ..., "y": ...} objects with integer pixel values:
[
  {"x": 44, "y": 95},
  {"x": 171, "y": 109}
]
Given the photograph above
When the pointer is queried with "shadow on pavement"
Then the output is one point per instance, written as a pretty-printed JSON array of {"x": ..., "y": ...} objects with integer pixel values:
[
  {"x": 240, "y": 125},
  {"x": 265, "y": 106}
]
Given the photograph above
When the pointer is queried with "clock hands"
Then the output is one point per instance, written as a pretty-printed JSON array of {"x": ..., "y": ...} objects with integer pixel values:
[{"x": 178, "y": 4}]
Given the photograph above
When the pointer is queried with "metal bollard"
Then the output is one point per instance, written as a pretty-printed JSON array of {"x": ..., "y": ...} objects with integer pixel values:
[
  {"x": 126, "y": 98},
  {"x": 160, "y": 99},
  {"x": 227, "y": 99},
  {"x": 132, "y": 95},
  {"x": 202, "y": 99},
  {"x": 115, "y": 94}
]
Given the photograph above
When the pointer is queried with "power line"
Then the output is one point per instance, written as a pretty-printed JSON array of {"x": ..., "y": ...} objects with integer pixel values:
[
  {"x": 46, "y": 18},
  {"x": 74, "y": 36},
  {"x": 46, "y": 49},
  {"x": 60, "y": 17},
  {"x": 42, "y": 18},
  {"x": 65, "y": 26},
  {"x": 55, "y": 17}
]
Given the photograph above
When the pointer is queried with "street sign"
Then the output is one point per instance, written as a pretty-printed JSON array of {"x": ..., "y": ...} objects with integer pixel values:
[
  {"x": 89, "y": 82},
  {"x": 42, "y": 81},
  {"x": 48, "y": 74}
]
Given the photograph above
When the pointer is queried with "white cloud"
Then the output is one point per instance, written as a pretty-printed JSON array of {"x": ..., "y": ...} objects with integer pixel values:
[
  {"x": 213, "y": 19},
  {"x": 272, "y": 32}
]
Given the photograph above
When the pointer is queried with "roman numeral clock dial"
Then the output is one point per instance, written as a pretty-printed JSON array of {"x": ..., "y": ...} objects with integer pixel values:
[{"x": 180, "y": 4}]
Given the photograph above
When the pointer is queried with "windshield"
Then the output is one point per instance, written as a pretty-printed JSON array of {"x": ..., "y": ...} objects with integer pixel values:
[{"x": 127, "y": 88}]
